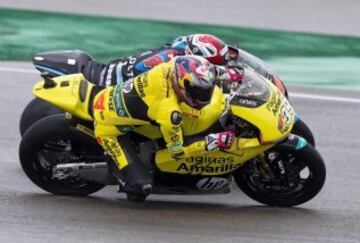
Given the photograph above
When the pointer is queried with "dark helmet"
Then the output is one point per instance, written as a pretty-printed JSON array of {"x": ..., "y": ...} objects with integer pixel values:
[{"x": 194, "y": 80}]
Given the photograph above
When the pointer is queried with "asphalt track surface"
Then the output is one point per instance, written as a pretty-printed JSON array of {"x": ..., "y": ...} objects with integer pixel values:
[
  {"x": 28, "y": 214},
  {"x": 317, "y": 16}
]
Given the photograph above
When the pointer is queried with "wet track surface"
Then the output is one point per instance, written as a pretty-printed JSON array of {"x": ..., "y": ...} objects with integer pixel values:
[{"x": 28, "y": 214}]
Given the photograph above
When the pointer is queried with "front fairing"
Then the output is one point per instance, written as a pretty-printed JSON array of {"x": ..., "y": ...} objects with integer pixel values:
[{"x": 261, "y": 103}]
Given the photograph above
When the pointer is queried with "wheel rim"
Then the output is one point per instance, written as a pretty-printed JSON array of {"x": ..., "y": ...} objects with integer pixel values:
[
  {"x": 291, "y": 183},
  {"x": 59, "y": 151}
]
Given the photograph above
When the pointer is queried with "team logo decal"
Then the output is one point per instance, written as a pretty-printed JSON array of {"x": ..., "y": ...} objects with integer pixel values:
[
  {"x": 212, "y": 183},
  {"x": 128, "y": 86},
  {"x": 99, "y": 105}
]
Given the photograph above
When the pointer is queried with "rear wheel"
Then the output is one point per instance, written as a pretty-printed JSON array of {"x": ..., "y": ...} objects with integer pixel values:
[
  {"x": 34, "y": 111},
  {"x": 50, "y": 142},
  {"x": 297, "y": 176}
]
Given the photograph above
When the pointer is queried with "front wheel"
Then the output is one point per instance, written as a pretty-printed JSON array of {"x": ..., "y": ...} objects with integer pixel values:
[
  {"x": 297, "y": 176},
  {"x": 50, "y": 142},
  {"x": 301, "y": 129}
]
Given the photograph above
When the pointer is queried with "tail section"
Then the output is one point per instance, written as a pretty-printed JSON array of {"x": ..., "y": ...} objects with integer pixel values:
[{"x": 71, "y": 93}]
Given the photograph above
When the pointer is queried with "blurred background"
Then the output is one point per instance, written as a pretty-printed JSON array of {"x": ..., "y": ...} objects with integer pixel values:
[
  {"x": 313, "y": 44},
  {"x": 307, "y": 42}
]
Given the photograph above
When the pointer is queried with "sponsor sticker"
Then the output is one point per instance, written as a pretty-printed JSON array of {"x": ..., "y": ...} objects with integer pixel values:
[
  {"x": 109, "y": 74},
  {"x": 206, "y": 164},
  {"x": 245, "y": 102},
  {"x": 212, "y": 183},
  {"x": 129, "y": 70},
  {"x": 274, "y": 103},
  {"x": 112, "y": 148},
  {"x": 119, "y": 103},
  {"x": 141, "y": 83}
]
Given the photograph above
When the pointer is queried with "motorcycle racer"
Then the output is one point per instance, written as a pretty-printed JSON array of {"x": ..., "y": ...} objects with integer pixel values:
[
  {"x": 207, "y": 46},
  {"x": 217, "y": 52},
  {"x": 154, "y": 97},
  {"x": 204, "y": 45}
]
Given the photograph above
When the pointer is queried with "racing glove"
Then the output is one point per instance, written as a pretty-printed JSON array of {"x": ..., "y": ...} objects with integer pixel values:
[
  {"x": 222, "y": 140},
  {"x": 235, "y": 74},
  {"x": 229, "y": 74}
]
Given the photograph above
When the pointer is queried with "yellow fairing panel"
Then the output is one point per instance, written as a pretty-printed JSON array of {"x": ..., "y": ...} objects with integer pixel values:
[
  {"x": 66, "y": 94},
  {"x": 274, "y": 119},
  {"x": 212, "y": 163}
]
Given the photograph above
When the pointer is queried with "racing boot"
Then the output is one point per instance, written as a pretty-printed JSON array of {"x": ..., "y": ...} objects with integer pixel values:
[
  {"x": 134, "y": 178},
  {"x": 136, "y": 182}
]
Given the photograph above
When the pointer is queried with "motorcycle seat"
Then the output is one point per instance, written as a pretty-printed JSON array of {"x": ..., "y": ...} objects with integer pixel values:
[{"x": 65, "y": 62}]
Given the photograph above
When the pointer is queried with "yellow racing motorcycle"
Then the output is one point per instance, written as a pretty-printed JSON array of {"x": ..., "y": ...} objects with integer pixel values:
[
  {"x": 60, "y": 63},
  {"x": 269, "y": 164}
]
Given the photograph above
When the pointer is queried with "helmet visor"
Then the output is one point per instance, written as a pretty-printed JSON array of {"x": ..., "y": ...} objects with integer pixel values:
[{"x": 198, "y": 95}]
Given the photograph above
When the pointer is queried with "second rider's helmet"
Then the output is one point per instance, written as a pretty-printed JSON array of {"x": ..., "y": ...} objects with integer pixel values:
[
  {"x": 194, "y": 80},
  {"x": 204, "y": 45}
]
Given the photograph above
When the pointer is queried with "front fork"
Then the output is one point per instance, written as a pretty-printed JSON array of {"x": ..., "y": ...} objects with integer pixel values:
[{"x": 292, "y": 142}]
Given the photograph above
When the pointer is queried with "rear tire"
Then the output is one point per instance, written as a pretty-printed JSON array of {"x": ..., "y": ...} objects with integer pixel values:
[
  {"x": 253, "y": 184},
  {"x": 50, "y": 141},
  {"x": 34, "y": 111}
]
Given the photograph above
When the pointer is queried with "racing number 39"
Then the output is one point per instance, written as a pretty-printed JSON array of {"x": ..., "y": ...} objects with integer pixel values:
[{"x": 287, "y": 112}]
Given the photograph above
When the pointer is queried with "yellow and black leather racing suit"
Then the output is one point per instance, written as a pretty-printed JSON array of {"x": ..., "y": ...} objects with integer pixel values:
[{"x": 148, "y": 99}]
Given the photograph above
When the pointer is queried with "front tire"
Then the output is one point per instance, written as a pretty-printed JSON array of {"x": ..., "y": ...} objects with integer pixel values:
[
  {"x": 289, "y": 190},
  {"x": 49, "y": 142},
  {"x": 301, "y": 129}
]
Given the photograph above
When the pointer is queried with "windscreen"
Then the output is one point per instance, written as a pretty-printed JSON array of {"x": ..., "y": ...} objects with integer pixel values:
[
  {"x": 253, "y": 91},
  {"x": 251, "y": 62}
]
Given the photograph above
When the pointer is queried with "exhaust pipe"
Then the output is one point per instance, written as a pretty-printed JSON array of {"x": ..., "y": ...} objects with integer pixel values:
[{"x": 97, "y": 172}]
